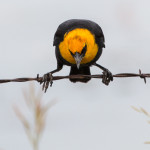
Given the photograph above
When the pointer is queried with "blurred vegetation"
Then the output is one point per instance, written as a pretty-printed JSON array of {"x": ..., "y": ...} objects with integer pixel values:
[
  {"x": 34, "y": 128},
  {"x": 142, "y": 110}
]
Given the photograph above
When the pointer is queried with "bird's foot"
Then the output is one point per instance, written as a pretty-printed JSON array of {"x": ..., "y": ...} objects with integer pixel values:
[
  {"x": 107, "y": 77},
  {"x": 47, "y": 80}
]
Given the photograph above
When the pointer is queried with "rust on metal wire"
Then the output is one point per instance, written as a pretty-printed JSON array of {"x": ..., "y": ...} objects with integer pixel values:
[{"x": 40, "y": 79}]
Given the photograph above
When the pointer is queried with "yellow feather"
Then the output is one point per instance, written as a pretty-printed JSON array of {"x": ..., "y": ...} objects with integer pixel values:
[{"x": 74, "y": 41}]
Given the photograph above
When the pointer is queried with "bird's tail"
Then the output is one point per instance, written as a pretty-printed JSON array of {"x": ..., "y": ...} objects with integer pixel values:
[{"x": 83, "y": 71}]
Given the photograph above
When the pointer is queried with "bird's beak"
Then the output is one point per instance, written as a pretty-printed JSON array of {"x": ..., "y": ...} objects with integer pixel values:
[{"x": 78, "y": 57}]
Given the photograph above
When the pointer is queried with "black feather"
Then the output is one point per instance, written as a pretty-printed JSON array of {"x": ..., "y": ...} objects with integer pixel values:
[
  {"x": 79, "y": 23},
  {"x": 68, "y": 26},
  {"x": 81, "y": 71}
]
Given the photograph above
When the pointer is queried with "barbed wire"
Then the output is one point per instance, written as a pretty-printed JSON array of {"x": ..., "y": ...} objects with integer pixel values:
[{"x": 40, "y": 79}]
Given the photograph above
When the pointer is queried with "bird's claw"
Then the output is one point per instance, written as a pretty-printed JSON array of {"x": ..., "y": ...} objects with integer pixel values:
[
  {"x": 47, "y": 80},
  {"x": 107, "y": 77}
]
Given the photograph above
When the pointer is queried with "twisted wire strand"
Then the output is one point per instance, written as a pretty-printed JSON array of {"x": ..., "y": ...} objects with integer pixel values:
[{"x": 40, "y": 79}]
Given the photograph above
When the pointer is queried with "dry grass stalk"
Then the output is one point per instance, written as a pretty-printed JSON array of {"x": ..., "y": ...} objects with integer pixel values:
[
  {"x": 148, "y": 142},
  {"x": 39, "y": 111},
  {"x": 142, "y": 110}
]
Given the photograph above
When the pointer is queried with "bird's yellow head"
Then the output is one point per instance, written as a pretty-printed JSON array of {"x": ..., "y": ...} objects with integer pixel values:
[{"x": 78, "y": 46}]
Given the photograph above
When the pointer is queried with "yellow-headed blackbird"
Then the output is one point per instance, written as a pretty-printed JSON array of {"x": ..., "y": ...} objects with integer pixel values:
[{"x": 78, "y": 44}]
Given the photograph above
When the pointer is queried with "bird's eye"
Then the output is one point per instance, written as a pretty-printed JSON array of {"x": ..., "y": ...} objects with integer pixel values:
[
  {"x": 84, "y": 50},
  {"x": 71, "y": 53}
]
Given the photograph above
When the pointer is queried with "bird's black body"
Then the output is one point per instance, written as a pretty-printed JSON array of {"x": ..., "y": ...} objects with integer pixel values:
[
  {"x": 77, "y": 23},
  {"x": 69, "y": 25},
  {"x": 87, "y": 40}
]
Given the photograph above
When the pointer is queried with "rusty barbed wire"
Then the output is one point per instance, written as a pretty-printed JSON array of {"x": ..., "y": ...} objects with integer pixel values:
[{"x": 40, "y": 79}]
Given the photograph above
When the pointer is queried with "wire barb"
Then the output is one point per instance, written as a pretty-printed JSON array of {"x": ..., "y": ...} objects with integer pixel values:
[{"x": 142, "y": 76}]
